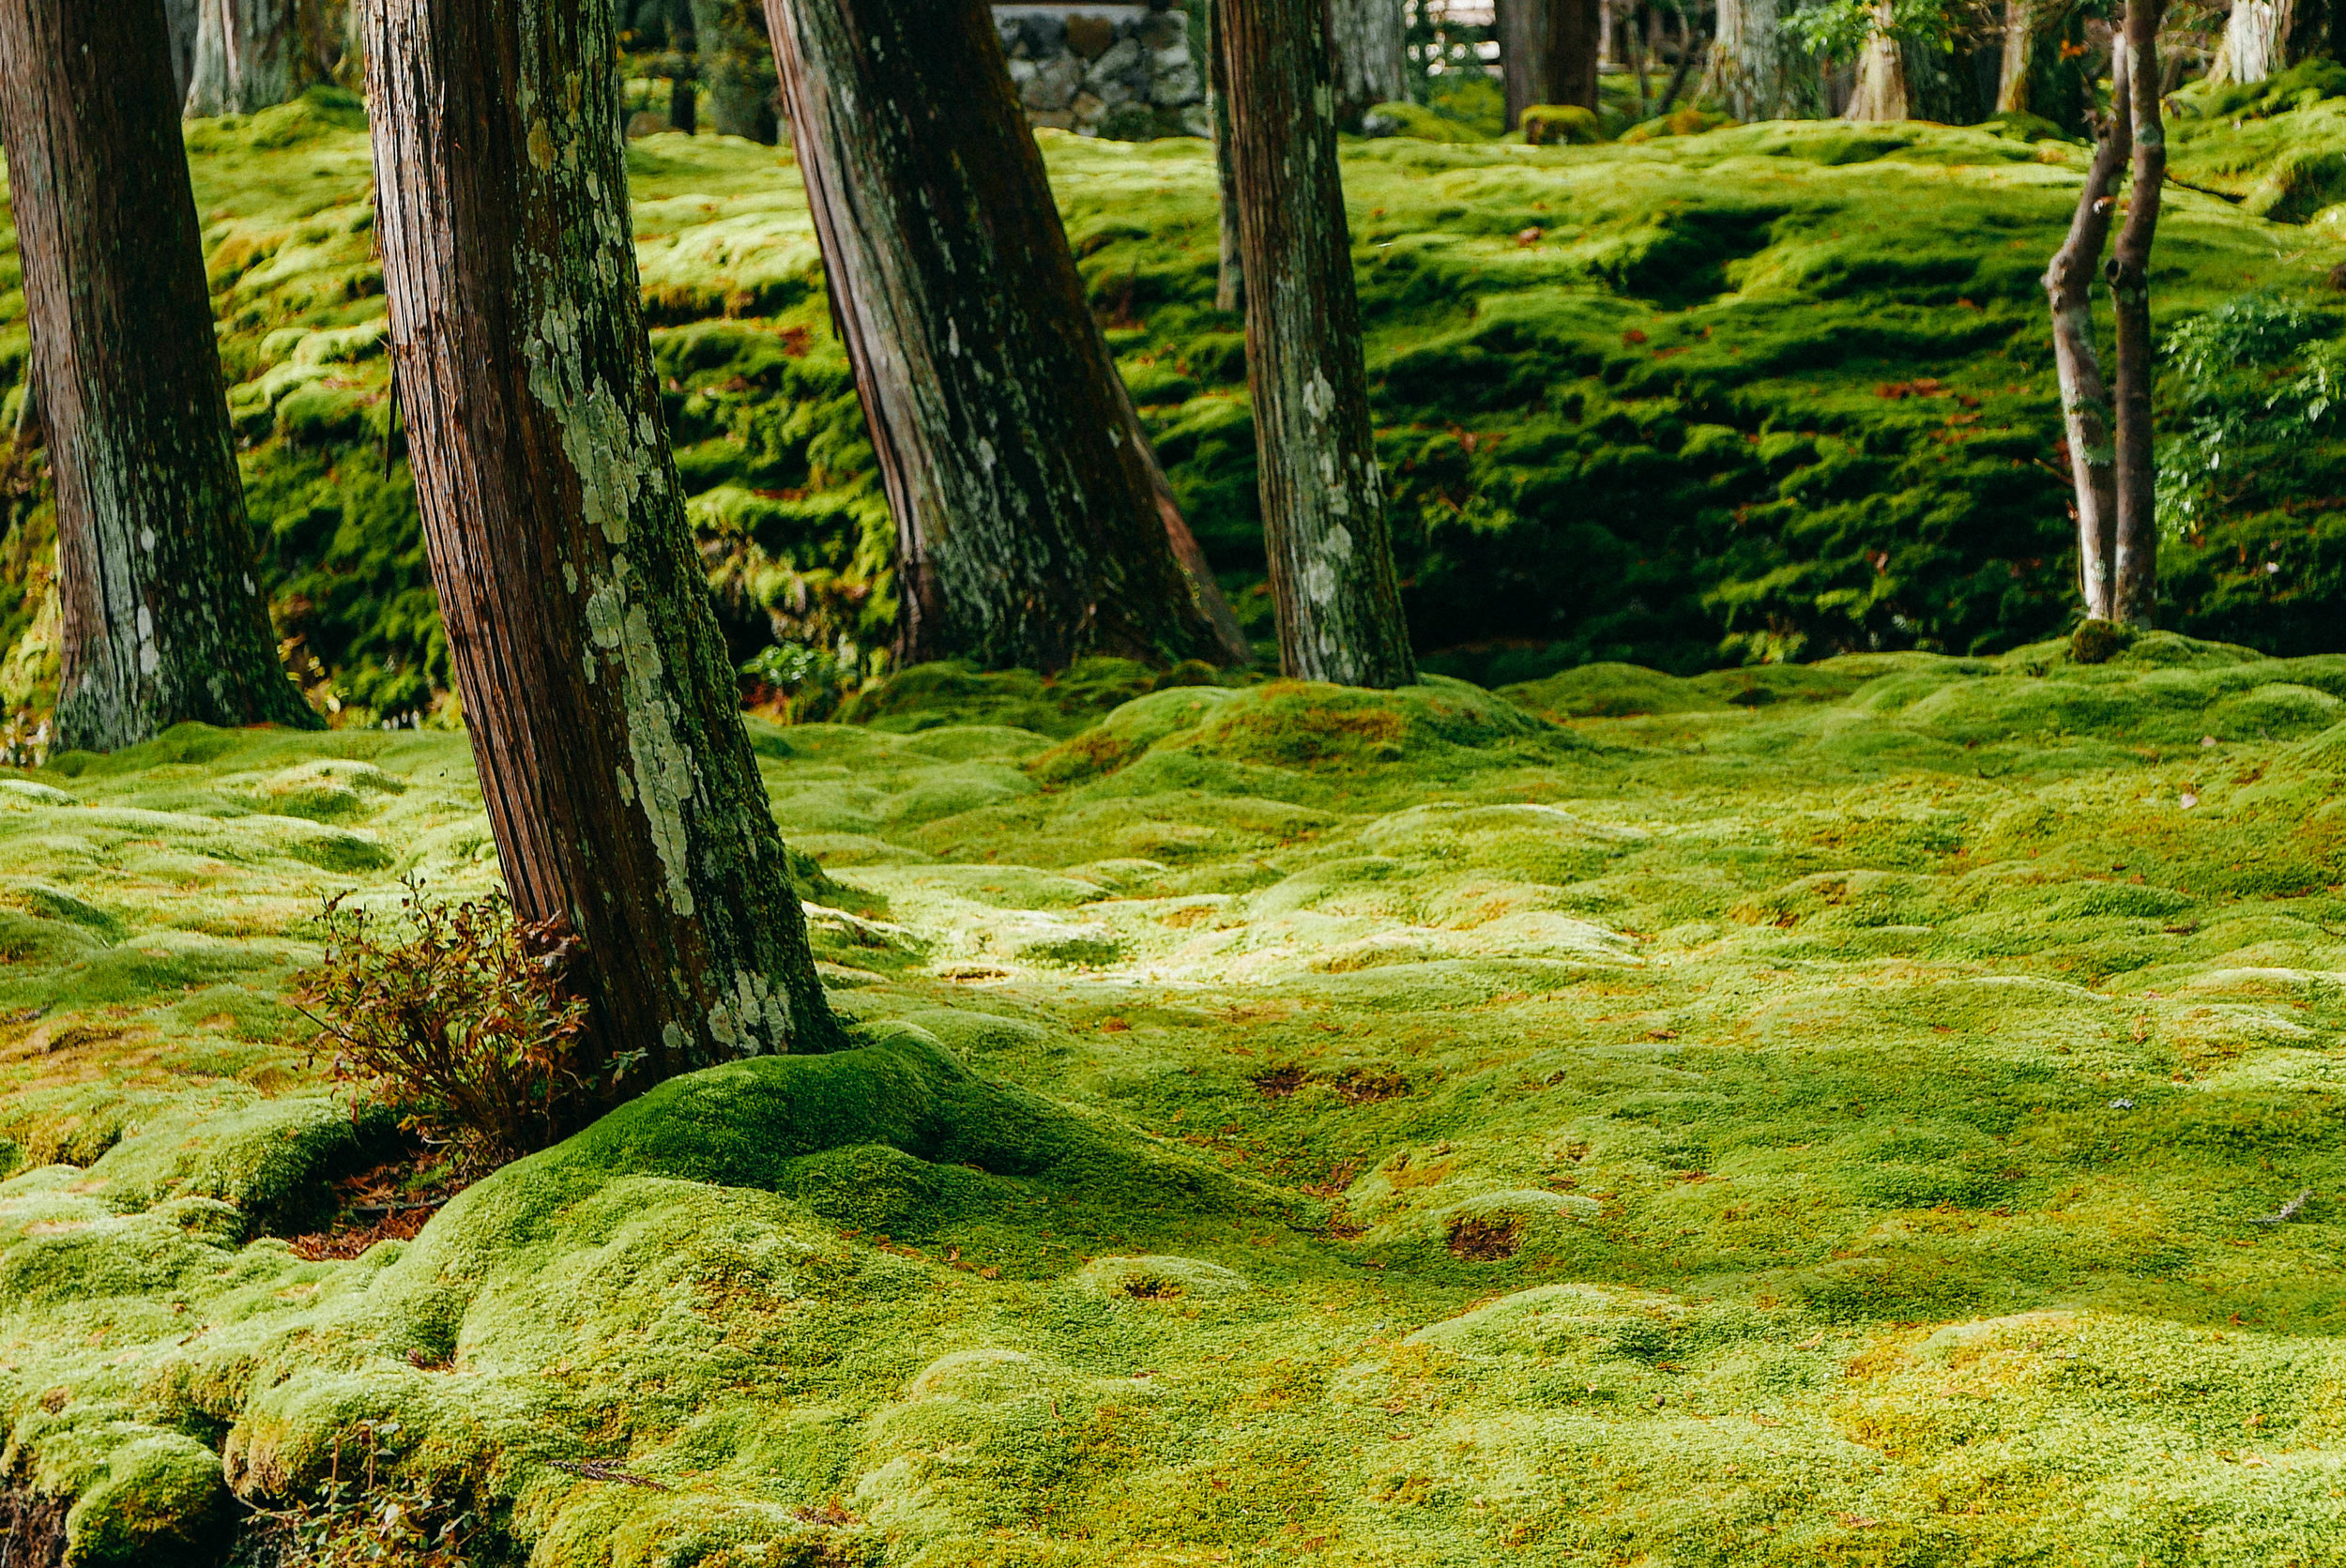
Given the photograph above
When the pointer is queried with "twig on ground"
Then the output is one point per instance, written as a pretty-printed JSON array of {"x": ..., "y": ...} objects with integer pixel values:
[
  {"x": 2287, "y": 1210},
  {"x": 605, "y": 1470}
]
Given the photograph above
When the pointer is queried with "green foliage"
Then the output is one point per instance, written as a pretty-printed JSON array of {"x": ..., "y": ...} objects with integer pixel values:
[
  {"x": 1841, "y": 29},
  {"x": 458, "y": 1016}
]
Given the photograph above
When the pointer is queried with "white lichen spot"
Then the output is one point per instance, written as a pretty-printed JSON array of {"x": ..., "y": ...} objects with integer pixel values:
[
  {"x": 146, "y": 539},
  {"x": 671, "y": 1035},
  {"x": 1319, "y": 399},
  {"x": 569, "y": 577},
  {"x": 986, "y": 455},
  {"x": 953, "y": 338},
  {"x": 1319, "y": 583},
  {"x": 1324, "y": 101}
]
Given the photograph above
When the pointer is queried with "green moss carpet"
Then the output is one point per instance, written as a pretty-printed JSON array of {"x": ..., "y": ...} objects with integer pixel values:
[{"x": 1798, "y": 1115}]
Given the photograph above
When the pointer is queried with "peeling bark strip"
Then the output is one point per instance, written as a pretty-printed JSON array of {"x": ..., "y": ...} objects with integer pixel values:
[
  {"x": 1323, "y": 500},
  {"x": 163, "y": 620},
  {"x": 605, "y": 720},
  {"x": 2136, "y": 593},
  {"x": 2084, "y": 395},
  {"x": 1028, "y": 526}
]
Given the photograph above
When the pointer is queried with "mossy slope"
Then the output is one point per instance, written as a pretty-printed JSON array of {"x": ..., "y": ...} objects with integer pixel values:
[
  {"x": 1781, "y": 390},
  {"x": 1769, "y": 1117}
]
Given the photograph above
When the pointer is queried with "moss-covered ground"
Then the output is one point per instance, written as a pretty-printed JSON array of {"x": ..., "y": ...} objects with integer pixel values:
[
  {"x": 1790, "y": 1116},
  {"x": 1768, "y": 392}
]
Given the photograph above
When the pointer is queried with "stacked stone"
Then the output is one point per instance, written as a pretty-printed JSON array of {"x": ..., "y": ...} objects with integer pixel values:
[{"x": 1130, "y": 80}]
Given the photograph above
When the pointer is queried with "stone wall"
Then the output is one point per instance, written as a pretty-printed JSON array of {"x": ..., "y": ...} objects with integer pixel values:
[{"x": 1117, "y": 70}]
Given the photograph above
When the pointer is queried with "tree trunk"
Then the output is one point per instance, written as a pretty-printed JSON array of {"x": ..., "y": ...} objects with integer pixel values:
[
  {"x": 2137, "y": 551},
  {"x": 163, "y": 621},
  {"x": 1882, "y": 92},
  {"x": 2256, "y": 42},
  {"x": 1372, "y": 57},
  {"x": 737, "y": 64},
  {"x": 1548, "y": 53},
  {"x": 254, "y": 55},
  {"x": 180, "y": 18},
  {"x": 1324, "y": 498},
  {"x": 1756, "y": 70},
  {"x": 605, "y": 718},
  {"x": 2019, "y": 33},
  {"x": 1230, "y": 287},
  {"x": 2084, "y": 396},
  {"x": 1028, "y": 525}
]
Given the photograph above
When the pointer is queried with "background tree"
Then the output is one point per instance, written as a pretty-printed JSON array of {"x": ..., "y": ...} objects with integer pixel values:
[
  {"x": 1372, "y": 59},
  {"x": 737, "y": 65},
  {"x": 180, "y": 18},
  {"x": 252, "y": 54},
  {"x": 1759, "y": 70},
  {"x": 1029, "y": 523},
  {"x": 162, "y": 619},
  {"x": 1549, "y": 51},
  {"x": 1205, "y": 42},
  {"x": 603, "y": 714},
  {"x": 1323, "y": 497},
  {"x": 2043, "y": 43},
  {"x": 2136, "y": 565},
  {"x": 2084, "y": 395}
]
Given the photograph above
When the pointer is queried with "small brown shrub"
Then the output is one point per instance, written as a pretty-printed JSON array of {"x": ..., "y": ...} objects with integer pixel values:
[
  {"x": 1484, "y": 1240},
  {"x": 457, "y": 1013}
]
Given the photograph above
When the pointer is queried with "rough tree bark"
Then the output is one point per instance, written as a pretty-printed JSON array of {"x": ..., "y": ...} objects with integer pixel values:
[
  {"x": 1757, "y": 71},
  {"x": 163, "y": 620},
  {"x": 604, "y": 719},
  {"x": 1324, "y": 498},
  {"x": 1547, "y": 52},
  {"x": 2084, "y": 395},
  {"x": 1371, "y": 42},
  {"x": 252, "y": 54},
  {"x": 1028, "y": 523},
  {"x": 2136, "y": 592},
  {"x": 1882, "y": 92}
]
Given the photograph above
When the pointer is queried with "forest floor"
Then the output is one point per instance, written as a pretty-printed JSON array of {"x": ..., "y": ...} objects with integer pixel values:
[{"x": 1797, "y": 1115}]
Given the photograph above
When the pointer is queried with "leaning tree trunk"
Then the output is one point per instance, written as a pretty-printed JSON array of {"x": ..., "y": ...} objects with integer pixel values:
[
  {"x": 1324, "y": 498},
  {"x": 252, "y": 54},
  {"x": 1371, "y": 44},
  {"x": 2136, "y": 594},
  {"x": 163, "y": 620},
  {"x": 1881, "y": 93},
  {"x": 604, "y": 719},
  {"x": 1028, "y": 525},
  {"x": 2084, "y": 396},
  {"x": 1756, "y": 69},
  {"x": 1548, "y": 53}
]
